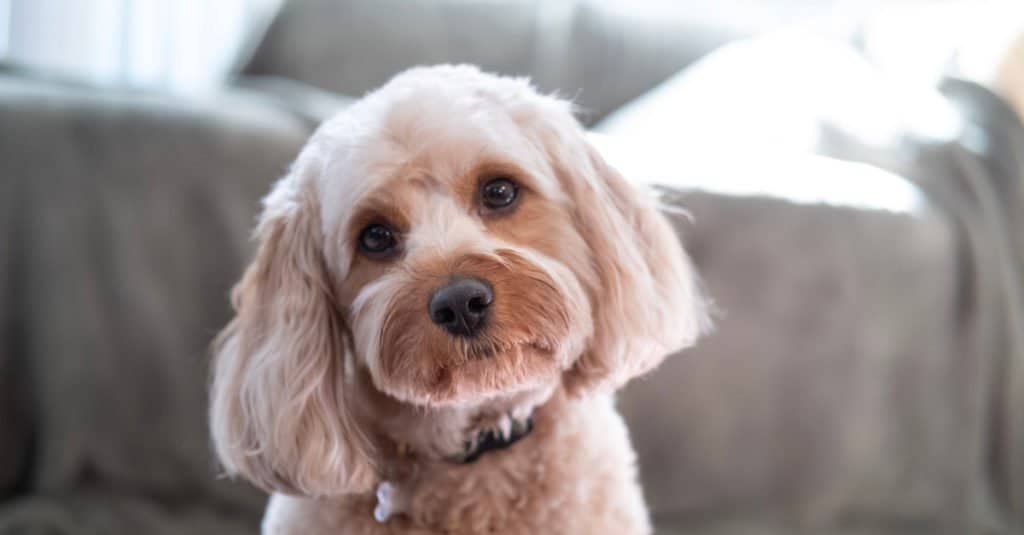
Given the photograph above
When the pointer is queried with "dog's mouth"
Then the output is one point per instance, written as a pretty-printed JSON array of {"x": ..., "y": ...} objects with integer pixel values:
[
  {"x": 489, "y": 369},
  {"x": 490, "y": 349}
]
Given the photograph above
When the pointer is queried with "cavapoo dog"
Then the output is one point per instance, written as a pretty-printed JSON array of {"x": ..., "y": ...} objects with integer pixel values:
[{"x": 449, "y": 286}]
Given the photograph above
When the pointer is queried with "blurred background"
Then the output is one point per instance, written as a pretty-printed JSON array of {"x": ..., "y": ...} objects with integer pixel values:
[{"x": 852, "y": 173}]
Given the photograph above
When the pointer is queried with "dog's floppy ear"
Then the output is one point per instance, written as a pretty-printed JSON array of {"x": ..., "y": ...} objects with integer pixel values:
[
  {"x": 645, "y": 294},
  {"x": 279, "y": 413}
]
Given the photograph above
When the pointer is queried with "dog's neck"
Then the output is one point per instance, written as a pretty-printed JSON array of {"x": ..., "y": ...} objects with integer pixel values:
[
  {"x": 490, "y": 439},
  {"x": 452, "y": 433},
  {"x": 410, "y": 473}
]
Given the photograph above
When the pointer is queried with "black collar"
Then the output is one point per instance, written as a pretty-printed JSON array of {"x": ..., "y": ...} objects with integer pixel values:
[{"x": 490, "y": 440}]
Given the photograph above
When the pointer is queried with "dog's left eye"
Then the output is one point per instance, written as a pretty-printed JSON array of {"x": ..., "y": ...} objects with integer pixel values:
[
  {"x": 377, "y": 240},
  {"x": 499, "y": 193}
]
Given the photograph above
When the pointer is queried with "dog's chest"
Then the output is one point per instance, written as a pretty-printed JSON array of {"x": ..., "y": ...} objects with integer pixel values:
[{"x": 573, "y": 474}]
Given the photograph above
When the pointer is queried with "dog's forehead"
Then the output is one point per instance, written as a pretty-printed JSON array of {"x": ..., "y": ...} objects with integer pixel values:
[
  {"x": 425, "y": 142},
  {"x": 444, "y": 135}
]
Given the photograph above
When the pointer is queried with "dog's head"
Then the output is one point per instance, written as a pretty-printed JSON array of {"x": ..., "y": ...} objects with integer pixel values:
[{"x": 454, "y": 237}]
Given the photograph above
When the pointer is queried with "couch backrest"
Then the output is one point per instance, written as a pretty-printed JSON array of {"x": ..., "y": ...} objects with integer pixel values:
[{"x": 601, "y": 53}]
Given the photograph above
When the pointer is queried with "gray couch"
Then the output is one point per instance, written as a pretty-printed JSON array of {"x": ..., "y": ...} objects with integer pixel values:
[{"x": 866, "y": 375}]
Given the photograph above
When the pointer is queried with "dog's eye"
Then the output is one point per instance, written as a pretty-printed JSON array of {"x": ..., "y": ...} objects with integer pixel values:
[
  {"x": 377, "y": 240},
  {"x": 499, "y": 193}
]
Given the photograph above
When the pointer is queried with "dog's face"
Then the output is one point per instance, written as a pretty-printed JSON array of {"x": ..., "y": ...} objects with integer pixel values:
[
  {"x": 453, "y": 235},
  {"x": 459, "y": 267}
]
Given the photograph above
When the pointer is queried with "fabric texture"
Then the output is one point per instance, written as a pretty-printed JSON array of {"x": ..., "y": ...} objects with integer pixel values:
[
  {"x": 582, "y": 49},
  {"x": 128, "y": 217},
  {"x": 867, "y": 362}
]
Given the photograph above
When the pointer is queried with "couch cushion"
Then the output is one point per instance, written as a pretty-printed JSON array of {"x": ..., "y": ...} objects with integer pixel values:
[
  {"x": 13, "y": 405},
  {"x": 868, "y": 354},
  {"x": 827, "y": 396},
  {"x": 106, "y": 513},
  {"x": 132, "y": 214}
]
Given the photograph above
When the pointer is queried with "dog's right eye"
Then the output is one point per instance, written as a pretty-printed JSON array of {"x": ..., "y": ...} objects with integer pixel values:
[
  {"x": 499, "y": 194},
  {"x": 377, "y": 240}
]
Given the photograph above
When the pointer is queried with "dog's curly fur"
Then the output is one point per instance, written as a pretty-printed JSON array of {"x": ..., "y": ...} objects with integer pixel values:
[{"x": 332, "y": 376}]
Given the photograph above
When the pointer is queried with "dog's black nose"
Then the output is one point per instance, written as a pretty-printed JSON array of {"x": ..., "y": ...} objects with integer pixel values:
[{"x": 461, "y": 305}]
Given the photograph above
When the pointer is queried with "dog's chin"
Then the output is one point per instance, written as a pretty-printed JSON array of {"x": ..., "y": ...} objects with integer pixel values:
[
  {"x": 482, "y": 372},
  {"x": 483, "y": 352}
]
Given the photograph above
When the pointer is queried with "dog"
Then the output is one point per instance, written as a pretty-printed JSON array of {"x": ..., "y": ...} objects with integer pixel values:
[{"x": 450, "y": 284}]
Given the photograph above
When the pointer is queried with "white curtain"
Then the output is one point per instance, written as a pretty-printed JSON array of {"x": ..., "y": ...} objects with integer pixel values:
[
  {"x": 178, "y": 45},
  {"x": 5, "y": 34}
]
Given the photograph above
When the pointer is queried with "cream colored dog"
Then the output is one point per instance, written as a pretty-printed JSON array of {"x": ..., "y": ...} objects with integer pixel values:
[{"x": 449, "y": 286}]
